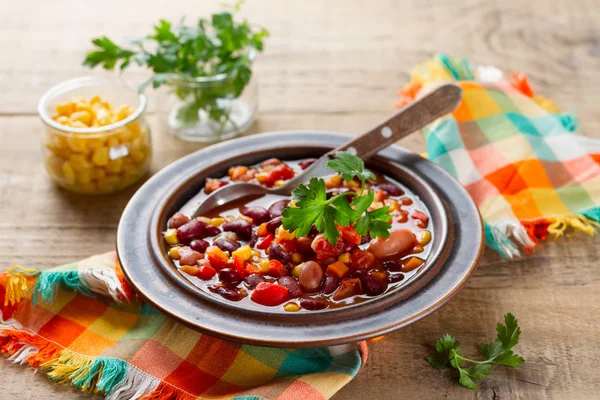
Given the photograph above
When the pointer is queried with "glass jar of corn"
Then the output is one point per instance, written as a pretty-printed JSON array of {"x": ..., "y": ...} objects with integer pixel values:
[{"x": 97, "y": 139}]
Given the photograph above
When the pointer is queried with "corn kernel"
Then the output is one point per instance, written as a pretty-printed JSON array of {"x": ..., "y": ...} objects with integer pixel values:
[
  {"x": 77, "y": 124},
  {"x": 296, "y": 258},
  {"x": 62, "y": 119},
  {"x": 264, "y": 265},
  {"x": 279, "y": 183},
  {"x": 292, "y": 307},
  {"x": 98, "y": 173},
  {"x": 333, "y": 181},
  {"x": 100, "y": 157},
  {"x": 174, "y": 253},
  {"x": 83, "y": 176},
  {"x": 66, "y": 109},
  {"x": 171, "y": 237},
  {"x": 89, "y": 187},
  {"x": 393, "y": 204},
  {"x": 114, "y": 166},
  {"x": 255, "y": 253},
  {"x": 76, "y": 144},
  {"x": 424, "y": 237},
  {"x": 285, "y": 235},
  {"x": 344, "y": 257},
  {"x": 82, "y": 116},
  {"x": 217, "y": 221},
  {"x": 244, "y": 252},
  {"x": 80, "y": 163},
  {"x": 138, "y": 156},
  {"x": 296, "y": 271},
  {"x": 204, "y": 219},
  {"x": 377, "y": 204},
  {"x": 68, "y": 172}
]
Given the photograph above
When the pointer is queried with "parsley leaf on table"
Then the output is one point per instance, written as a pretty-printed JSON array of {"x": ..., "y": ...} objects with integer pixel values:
[
  {"x": 499, "y": 352},
  {"x": 313, "y": 207}
]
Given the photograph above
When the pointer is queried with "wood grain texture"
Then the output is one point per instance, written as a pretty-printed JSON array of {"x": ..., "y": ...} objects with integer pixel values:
[{"x": 330, "y": 65}]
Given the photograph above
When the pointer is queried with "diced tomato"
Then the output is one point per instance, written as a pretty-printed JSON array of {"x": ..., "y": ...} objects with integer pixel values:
[
  {"x": 250, "y": 269},
  {"x": 238, "y": 263},
  {"x": 402, "y": 216},
  {"x": 280, "y": 172},
  {"x": 362, "y": 259},
  {"x": 217, "y": 258},
  {"x": 380, "y": 196},
  {"x": 349, "y": 235},
  {"x": 287, "y": 244},
  {"x": 206, "y": 272},
  {"x": 421, "y": 217},
  {"x": 213, "y": 184},
  {"x": 324, "y": 249},
  {"x": 265, "y": 243},
  {"x": 348, "y": 288},
  {"x": 276, "y": 269},
  {"x": 338, "y": 269},
  {"x": 270, "y": 294}
]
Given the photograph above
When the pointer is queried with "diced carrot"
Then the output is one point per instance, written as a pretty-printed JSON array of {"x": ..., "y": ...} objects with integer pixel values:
[
  {"x": 411, "y": 264},
  {"x": 262, "y": 230},
  {"x": 216, "y": 257},
  {"x": 338, "y": 269}
]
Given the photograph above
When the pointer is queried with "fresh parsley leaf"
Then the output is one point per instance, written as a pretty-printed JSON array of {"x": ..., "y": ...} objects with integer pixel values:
[
  {"x": 349, "y": 166},
  {"x": 499, "y": 352},
  {"x": 313, "y": 207},
  {"x": 375, "y": 222}
]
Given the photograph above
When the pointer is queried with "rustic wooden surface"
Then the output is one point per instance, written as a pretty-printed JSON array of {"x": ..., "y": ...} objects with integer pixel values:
[{"x": 330, "y": 65}]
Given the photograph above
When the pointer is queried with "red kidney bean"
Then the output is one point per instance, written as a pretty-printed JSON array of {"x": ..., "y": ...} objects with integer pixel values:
[
  {"x": 276, "y": 208},
  {"x": 273, "y": 224},
  {"x": 291, "y": 285},
  {"x": 212, "y": 230},
  {"x": 391, "y": 189},
  {"x": 199, "y": 245},
  {"x": 330, "y": 283},
  {"x": 253, "y": 239},
  {"x": 365, "y": 239},
  {"x": 393, "y": 266},
  {"x": 227, "y": 293},
  {"x": 226, "y": 244},
  {"x": 258, "y": 214},
  {"x": 312, "y": 304},
  {"x": 307, "y": 163},
  {"x": 373, "y": 286},
  {"x": 396, "y": 278},
  {"x": 310, "y": 277},
  {"x": 230, "y": 276},
  {"x": 177, "y": 220},
  {"x": 253, "y": 280},
  {"x": 240, "y": 226},
  {"x": 303, "y": 245},
  {"x": 192, "y": 230},
  {"x": 188, "y": 256},
  {"x": 276, "y": 252}
]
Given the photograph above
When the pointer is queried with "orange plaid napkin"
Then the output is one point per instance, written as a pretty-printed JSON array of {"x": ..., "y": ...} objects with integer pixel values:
[
  {"x": 81, "y": 324},
  {"x": 517, "y": 155}
]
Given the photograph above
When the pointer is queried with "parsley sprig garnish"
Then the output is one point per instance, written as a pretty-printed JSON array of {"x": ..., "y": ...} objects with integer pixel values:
[
  {"x": 497, "y": 353},
  {"x": 313, "y": 207}
]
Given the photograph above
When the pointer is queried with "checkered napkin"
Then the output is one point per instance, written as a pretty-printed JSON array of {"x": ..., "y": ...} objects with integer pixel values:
[
  {"x": 517, "y": 155},
  {"x": 81, "y": 324}
]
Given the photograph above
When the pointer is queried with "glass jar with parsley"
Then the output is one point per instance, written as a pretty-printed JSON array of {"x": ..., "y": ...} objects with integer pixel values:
[{"x": 207, "y": 68}]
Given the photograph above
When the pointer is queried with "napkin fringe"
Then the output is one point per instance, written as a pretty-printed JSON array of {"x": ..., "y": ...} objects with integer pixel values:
[
  {"x": 504, "y": 236},
  {"x": 20, "y": 283},
  {"x": 112, "y": 377}
]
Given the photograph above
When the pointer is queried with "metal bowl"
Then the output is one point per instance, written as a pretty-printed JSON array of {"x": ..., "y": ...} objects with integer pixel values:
[{"x": 456, "y": 247}]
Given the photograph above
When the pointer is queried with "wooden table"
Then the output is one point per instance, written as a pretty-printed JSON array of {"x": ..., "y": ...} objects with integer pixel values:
[{"x": 330, "y": 65}]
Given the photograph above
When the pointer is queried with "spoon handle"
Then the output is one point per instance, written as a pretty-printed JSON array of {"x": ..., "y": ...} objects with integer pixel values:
[{"x": 415, "y": 116}]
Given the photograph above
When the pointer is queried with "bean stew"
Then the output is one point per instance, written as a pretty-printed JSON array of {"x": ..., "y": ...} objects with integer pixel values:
[{"x": 242, "y": 253}]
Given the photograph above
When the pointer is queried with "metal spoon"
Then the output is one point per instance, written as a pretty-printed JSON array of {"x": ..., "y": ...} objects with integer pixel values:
[{"x": 415, "y": 116}]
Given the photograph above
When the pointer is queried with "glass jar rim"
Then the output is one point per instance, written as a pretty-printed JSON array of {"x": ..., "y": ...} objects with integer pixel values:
[{"x": 87, "y": 81}]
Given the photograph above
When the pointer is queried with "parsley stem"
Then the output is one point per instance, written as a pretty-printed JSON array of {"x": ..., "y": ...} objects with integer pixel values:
[
  {"x": 459, "y": 357},
  {"x": 334, "y": 198}
]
